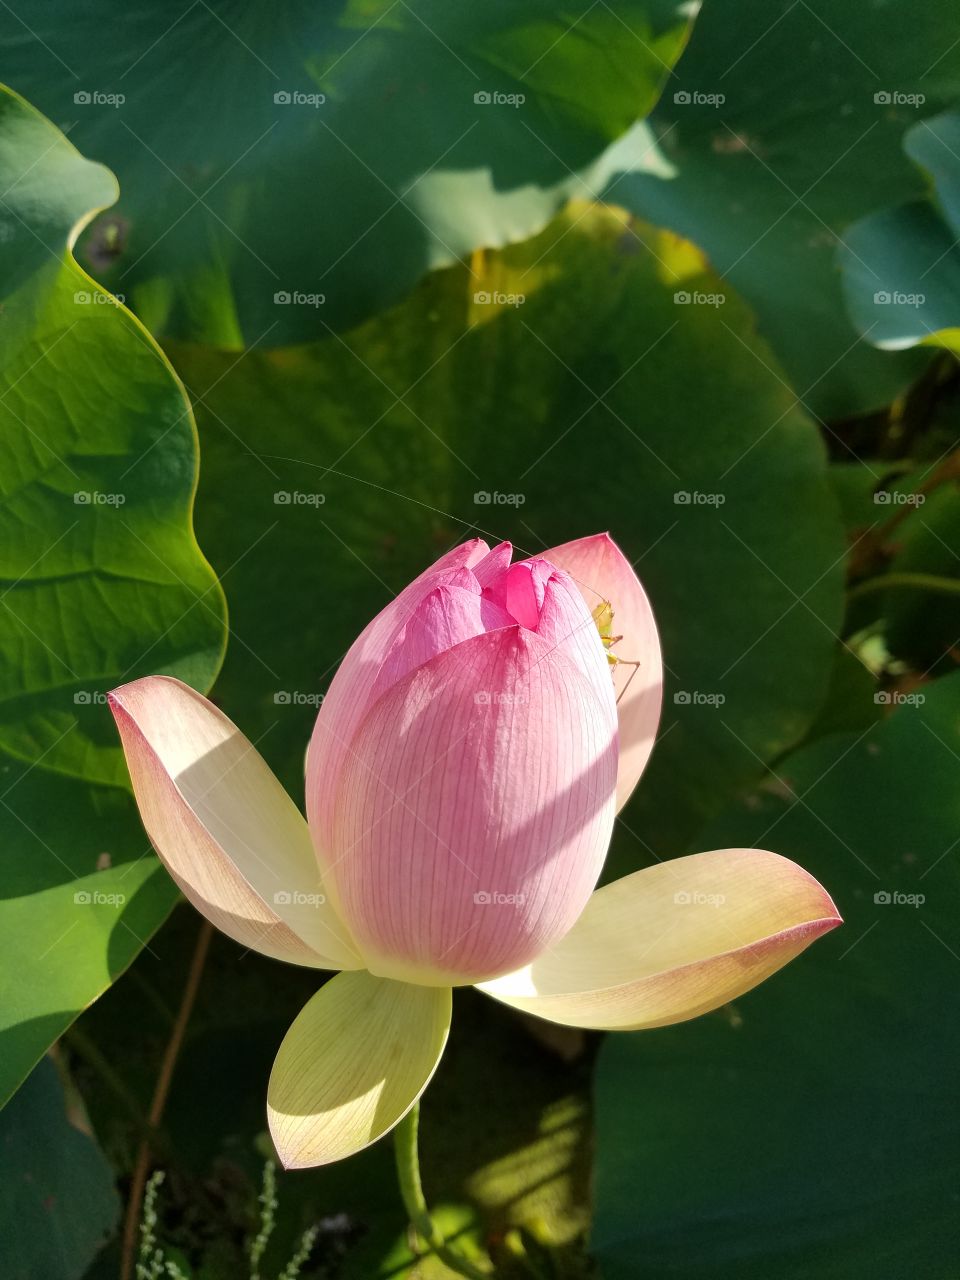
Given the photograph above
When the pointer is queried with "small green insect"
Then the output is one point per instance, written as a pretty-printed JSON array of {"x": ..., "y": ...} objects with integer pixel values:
[{"x": 602, "y": 615}]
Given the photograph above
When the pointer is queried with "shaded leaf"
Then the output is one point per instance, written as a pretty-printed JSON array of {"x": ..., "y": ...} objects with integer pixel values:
[
  {"x": 811, "y": 1128},
  {"x": 59, "y": 1200},
  {"x": 901, "y": 266},
  {"x": 538, "y": 420},
  {"x": 804, "y": 141},
  {"x": 335, "y": 155}
]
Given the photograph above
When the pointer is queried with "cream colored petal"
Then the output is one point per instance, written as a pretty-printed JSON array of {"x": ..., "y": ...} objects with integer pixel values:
[
  {"x": 354, "y": 1062},
  {"x": 224, "y": 827},
  {"x": 674, "y": 941}
]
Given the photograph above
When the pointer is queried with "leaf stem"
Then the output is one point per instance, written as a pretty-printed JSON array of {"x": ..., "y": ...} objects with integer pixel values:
[
  {"x": 411, "y": 1189},
  {"x": 906, "y": 581},
  {"x": 160, "y": 1092}
]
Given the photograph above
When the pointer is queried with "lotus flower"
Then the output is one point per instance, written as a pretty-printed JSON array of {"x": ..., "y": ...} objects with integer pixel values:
[{"x": 462, "y": 782}]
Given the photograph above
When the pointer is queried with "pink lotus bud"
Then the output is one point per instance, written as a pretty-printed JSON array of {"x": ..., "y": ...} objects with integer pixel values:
[
  {"x": 461, "y": 785},
  {"x": 461, "y": 779}
]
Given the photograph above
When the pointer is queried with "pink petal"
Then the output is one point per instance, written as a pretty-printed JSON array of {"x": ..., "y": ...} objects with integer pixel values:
[
  {"x": 474, "y": 811},
  {"x": 568, "y": 627},
  {"x": 545, "y": 599},
  {"x": 524, "y": 590},
  {"x": 602, "y": 572},
  {"x": 448, "y": 614},
  {"x": 493, "y": 564},
  {"x": 352, "y": 689}
]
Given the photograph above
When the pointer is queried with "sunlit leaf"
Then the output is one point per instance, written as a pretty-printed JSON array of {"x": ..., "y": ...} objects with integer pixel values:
[{"x": 102, "y": 581}]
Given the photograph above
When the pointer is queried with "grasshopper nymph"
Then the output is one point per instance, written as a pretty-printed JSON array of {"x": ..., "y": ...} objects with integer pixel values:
[{"x": 603, "y": 617}]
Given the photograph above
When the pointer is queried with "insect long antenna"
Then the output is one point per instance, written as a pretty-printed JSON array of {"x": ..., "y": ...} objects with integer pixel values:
[{"x": 636, "y": 667}]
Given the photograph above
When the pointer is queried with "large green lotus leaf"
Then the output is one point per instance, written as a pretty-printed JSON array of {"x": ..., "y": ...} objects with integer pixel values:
[
  {"x": 807, "y": 139},
  {"x": 857, "y": 485},
  {"x": 853, "y": 700},
  {"x": 597, "y": 403},
  {"x": 59, "y": 1201},
  {"x": 241, "y": 187},
  {"x": 812, "y": 1128},
  {"x": 901, "y": 266},
  {"x": 102, "y": 581}
]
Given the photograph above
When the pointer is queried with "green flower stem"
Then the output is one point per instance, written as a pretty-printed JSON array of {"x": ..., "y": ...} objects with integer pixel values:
[
  {"x": 411, "y": 1189},
  {"x": 908, "y": 581}
]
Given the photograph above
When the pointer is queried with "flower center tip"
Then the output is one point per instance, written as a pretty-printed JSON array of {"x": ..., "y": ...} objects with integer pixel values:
[{"x": 521, "y": 597}]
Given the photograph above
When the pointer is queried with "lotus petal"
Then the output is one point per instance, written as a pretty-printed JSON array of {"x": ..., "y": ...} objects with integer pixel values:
[
  {"x": 354, "y": 686},
  {"x": 674, "y": 941},
  {"x": 603, "y": 573},
  {"x": 354, "y": 1062},
  {"x": 224, "y": 827}
]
